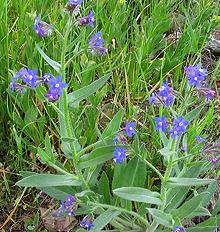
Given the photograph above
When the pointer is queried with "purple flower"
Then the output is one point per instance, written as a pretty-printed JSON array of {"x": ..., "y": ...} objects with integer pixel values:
[
  {"x": 119, "y": 138},
  {"x": 86, "y": 224},
  {"x": 161, "y": 123},
  {"x": 199, "y": 139},
  {"x": 75, "y": 2},
  {"x": 56, "y": 85},
  {"x": 213, "y": 160},
  {"x": 88, "y": 20},
  {"x": 155, "y": 99},
  {"x": 42, "y": 28},
  {"x": 46, "y": 77},
  {"x": 29, "y": 77},
  {"x": 69, "y": 200},
  {"x": 178, "y": 229},
  {"x": 165, "y": 93},
  {"x": 51, "y": 96},
  {"x": 119, "y": 155},
  {"x": 196, "y": 74},
  {"x": 129, "y": 128},
  {"x": 96, "y": 44},
  {"x": 179, "y": 127}
]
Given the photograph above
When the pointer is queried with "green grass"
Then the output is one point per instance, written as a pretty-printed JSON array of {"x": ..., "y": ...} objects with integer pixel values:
[{"x": 139, "y": 59}]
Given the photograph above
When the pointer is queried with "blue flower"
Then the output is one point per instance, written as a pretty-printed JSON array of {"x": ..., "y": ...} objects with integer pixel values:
[
  {"x": 178, "y": 229},
  {"x": 57, "y": 85},
  {"x": 119, "y": 155},
  {"x": 165, "y": 93},
  {"x": 155, "y": 99},
  {"x": 51, "y": 96},
  {"x": 86, "y": 224},
  {"x": 96, "y": 44},
  {"x": 129, "y": 128},
  {"x": 199, "y": 139},
  {"x": 196, "y": 74},
  {"x": 161, "y": 123},
  {"x": 88, "y": 20},
  {"x": 29, "y": 77},
  {"x": 75, "y": 2},
  {"x": 69, "y": 200},
  {"x": 179, "y": 127},
  {"x": 46, "y": 77},
  {"x": 42, "y": 28}
]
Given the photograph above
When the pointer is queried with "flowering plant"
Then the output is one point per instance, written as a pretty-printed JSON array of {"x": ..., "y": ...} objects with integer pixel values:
[{"x": 106, "y": 180}]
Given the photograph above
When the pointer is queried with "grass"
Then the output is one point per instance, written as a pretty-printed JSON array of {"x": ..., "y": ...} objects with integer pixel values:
[{"x": 140, "y": 57}]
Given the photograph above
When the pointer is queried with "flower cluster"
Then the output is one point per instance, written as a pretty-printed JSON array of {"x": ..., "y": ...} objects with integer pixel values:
[
  {"x": 211, "y": 151},
  {"x": 27, "y": 78},
  {"x": 87, "y": 20},
  {"x": 42, "y": 28},
  {"x": 86, "y": 223},
  {"x": 96, "y": 44},
  {"x": 179, "y": 126},
  {"x": 73, "y": 6},
  {"x": 196, "y": 74},
  {"x": 66, "y": 207},
  {"x": 165, "y": 95},
  {"x": 119, "y": 155},
  {"x": 178, "y": 229}
]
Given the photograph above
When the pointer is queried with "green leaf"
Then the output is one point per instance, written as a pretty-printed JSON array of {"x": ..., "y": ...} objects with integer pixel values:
[
  {"x": 104, "y": 189},
  {"x": 103, "y": 219},
  {"x": 114, "y": 125},
  {"x": 58, "y": 192},
  {"x": 138, "y": 194},
  {"x": 189, "y": 207},
  {"x": 45, "y": 180},
  {"x": 98, "y": 156},
  {"x": 175, "y": 181},
  {"x": 81, "y": 94},
  {"x": 44, "y": 156},
  {"x": 194, "y": 113},
  {"x": 210, "y": 225},
  {"x": 55, "y": 65},
  {"x": 161, "y": 217},
  {"x": 211, "y": 189},
  {"x": 199, "y": 212}
]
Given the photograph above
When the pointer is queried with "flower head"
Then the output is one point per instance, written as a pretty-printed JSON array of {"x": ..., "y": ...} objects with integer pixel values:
[
  {"x": 119, "y": 155},
  {"x": 213, "y": 160},
  {"x": 178, "y": 229},
  {"x": 161, "y": 123},
  {"x": 129, "y": 129},
  {"x": 196, "y": 74},
  {"x": 206, "y": 92},
  {"x": 42, "y": 28},
  {"x": 88, "y": 20},
  {"x": 96, "y": 44},
  {"x": 56, "y": 85},
  {"x": 30, "y": 77},
  {"x": 66, "y": 207},
  {"x": 155, "y": 99},
  {"x": 46, "y": 77},
  {"x": 86, "y": 224},
  {"x": 75, "y": 2},
  {"x": 179, "y": 127},
  {"x": 51, "y": 96},
  {"x": 119, "y": 138},
  {"x": 69, "y": 200},
  {"x": 165, "y": 93}
]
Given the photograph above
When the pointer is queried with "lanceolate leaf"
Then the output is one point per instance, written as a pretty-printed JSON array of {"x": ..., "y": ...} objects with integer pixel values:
[
  {"x": 189, "y": 206},
  {"x": 161, "y": 217},
  {"x": 103, "y": 219},
  {"x": 138, "y": 194},
  {"x": 81, "y": 94},
  {"x": 114, "y": 125},
  {"x": 98, "y": 156},
  {"x": 175, "y": 181},
  {"x": 55, "y": 65},
  {"x": 45, "y": 180},
  {"x": 194, "y": 113}
]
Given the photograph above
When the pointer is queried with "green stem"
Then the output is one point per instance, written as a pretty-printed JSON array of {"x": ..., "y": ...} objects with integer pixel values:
[
  {"x": 152, "y": 167},
  {"x": 65, "y": 108},
  {"x": 119, "y": 209}
]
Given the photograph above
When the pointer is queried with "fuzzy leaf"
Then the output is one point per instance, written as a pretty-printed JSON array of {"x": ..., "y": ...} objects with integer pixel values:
[{"x": 175, "y": 181}]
